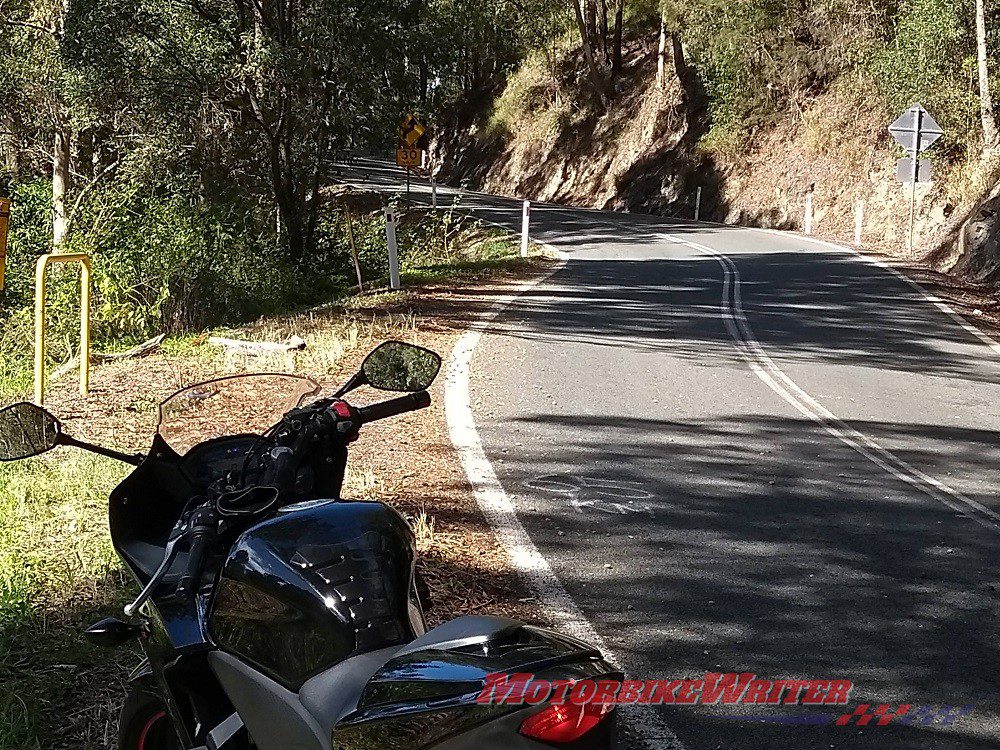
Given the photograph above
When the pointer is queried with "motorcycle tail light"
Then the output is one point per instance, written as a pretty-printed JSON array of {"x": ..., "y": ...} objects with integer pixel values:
[{"x": 564, "y": 722}]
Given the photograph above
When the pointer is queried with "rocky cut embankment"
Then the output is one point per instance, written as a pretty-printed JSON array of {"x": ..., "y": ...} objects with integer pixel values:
[{"x": 539, "y": 135}]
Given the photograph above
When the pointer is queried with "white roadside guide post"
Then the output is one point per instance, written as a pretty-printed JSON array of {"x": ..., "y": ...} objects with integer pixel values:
[
  {"x": 859, "y": 220},
  {"x": 434, "y": 186},
  {"x": 697, "y": 205},
  {"x": 525, "y": 218},
  {"x": 809, "y": 213},
  {"x": 390, "y": 241}
]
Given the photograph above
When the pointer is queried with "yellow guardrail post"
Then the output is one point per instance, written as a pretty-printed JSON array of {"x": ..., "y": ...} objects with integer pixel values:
[
  {"x": 4, "y": 224},
  {"x": 40, "y": 268}
]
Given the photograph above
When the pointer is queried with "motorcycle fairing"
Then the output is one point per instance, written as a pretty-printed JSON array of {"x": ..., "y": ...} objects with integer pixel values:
[{"x": 421, "y": 695}]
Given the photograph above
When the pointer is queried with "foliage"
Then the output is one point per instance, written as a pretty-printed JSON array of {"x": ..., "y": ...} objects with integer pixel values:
[
  {"x": 761, "y": 59},
  {"x": 532, "y": 89},
  {"x": 932, "y": 60},
  {"x": 203, "y": 134}
]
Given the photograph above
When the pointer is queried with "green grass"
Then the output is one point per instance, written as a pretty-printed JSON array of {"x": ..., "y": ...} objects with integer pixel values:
[{"x": 58, "y": 573}]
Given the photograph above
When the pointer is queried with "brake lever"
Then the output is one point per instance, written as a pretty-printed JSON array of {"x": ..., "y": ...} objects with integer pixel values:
[{"x": 169, "y": 553}]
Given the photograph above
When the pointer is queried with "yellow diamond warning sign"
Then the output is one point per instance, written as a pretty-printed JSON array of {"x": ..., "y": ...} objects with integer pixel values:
[{"x": 410, "y": 131}]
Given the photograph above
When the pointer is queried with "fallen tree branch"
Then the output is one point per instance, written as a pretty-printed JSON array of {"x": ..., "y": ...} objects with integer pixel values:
[
  {"x": 294, "y": 343},
  {"x": 141, "y": 350}
]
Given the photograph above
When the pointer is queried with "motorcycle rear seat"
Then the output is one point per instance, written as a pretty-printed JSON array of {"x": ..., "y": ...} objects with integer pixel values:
[
  {"x": 462, "y": 631},
  {"x": 331, "y": 695}
]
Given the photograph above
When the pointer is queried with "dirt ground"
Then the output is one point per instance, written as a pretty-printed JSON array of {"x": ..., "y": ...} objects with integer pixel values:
[{"x": 407, "y": 462}]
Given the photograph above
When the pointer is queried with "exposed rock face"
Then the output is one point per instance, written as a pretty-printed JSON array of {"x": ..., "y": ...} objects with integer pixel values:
[{"x": 980, "y": 256}]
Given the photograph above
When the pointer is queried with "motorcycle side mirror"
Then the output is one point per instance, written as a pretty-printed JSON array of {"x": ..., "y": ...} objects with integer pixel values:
[
  {"x": 398, "y": 366},
  {"x": 27, "y": 430}
]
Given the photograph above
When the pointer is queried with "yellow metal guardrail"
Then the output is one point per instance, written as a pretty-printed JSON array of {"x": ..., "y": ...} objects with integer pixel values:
[{"x": 40, "y": 268}]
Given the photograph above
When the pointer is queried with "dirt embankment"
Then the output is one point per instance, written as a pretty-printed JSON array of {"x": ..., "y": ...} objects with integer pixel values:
[{"x": 538, "y": 136}]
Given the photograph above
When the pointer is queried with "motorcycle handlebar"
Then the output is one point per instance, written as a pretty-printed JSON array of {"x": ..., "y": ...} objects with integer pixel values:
[
  {"x": 394, "y": 406},
  {"x": 202, "y": 537}
]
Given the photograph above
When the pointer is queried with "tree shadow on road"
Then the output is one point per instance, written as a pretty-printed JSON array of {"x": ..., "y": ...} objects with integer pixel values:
[
  {"x": 767, "y": 547},
  {"x": 808, "y": 307}
]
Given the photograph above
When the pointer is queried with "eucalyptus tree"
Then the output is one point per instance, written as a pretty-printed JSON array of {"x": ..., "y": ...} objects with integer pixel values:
[
  {"x": 37, "y": 116},
  {"x": 247, "y": 98}
]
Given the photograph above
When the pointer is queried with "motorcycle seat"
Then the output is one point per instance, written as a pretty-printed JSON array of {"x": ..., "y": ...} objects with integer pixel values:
[
  {"x": 462, "y": 631},
  {"x": 331, "y": 695}
]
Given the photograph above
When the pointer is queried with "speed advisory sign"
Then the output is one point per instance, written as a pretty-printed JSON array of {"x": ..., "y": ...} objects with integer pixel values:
[{"x": 409, "y": 157}]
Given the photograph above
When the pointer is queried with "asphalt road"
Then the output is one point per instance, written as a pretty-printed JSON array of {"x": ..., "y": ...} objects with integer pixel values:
[{"x": 746, "y": 452}]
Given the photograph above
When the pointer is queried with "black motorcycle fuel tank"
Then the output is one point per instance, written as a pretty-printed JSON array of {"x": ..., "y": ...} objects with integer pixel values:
[{"x": 316, "y": 583}]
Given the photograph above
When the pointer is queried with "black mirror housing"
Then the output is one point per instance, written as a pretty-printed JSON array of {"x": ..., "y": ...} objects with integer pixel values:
[
  {"x": 27, "y": 430},
  {"x": 398, "y": 366}
]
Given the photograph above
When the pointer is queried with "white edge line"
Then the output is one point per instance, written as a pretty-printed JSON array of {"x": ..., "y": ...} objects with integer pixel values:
[
  {"x": 940, "y": 304},
  {"x": 760, "y": 362},
  {"x": 500, "y": 513}
]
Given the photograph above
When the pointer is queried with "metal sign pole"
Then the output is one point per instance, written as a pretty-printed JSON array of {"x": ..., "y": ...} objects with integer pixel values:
[
  {"x": 916, "y": 131},
  {"x": 915, "y": 151}
]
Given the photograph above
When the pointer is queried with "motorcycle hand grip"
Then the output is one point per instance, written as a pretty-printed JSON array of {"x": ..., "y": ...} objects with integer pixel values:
[
  {"x": 282, "y": 468},
  {"x": 201, "y": 542},
  {"x": 394, "y": 406}
]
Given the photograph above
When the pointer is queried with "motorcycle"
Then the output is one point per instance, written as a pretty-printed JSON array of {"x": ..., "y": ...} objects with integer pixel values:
[{"x": 275, "y": 615}]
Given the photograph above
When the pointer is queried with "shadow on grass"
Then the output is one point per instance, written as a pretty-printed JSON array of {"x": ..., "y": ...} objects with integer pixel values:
[{"x": 58, "y": 692}]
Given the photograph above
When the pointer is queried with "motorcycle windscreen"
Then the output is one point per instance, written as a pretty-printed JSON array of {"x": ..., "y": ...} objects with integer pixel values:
[{"x": 234, "y": 405}]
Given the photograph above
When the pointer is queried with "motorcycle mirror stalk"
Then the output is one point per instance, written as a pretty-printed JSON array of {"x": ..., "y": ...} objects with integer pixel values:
[
  {"x": 354, "y": 382},
  {"x": 129, "y": 458}
]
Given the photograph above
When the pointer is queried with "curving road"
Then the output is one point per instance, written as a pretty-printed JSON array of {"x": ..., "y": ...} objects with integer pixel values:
[{"x": 742, "y": 451}]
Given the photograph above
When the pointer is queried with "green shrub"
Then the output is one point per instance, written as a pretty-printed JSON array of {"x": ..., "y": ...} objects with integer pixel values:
[
  {"x": 161, "y": 263},
  {"x": 931, "y": 60}
]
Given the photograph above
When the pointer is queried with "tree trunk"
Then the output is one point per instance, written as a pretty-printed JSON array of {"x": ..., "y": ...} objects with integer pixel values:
[
  {"x": 60, "y": 184},
  {"x": 680, "y": 64},
  {"x": 423, "y": 81},
  {"x": 597, "y": 79},
  {"x": 605, "y": 47},
  {"x": 661, "y": 56},
  {"x": 616, "y": 60},
  {"x": 295, "y": 234},
  {"x": 592, "y": 24},
  {"x": 985, "y": 99},
  {"x": 290, "y": 210},
  {"x": 354, "y": 249}
]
